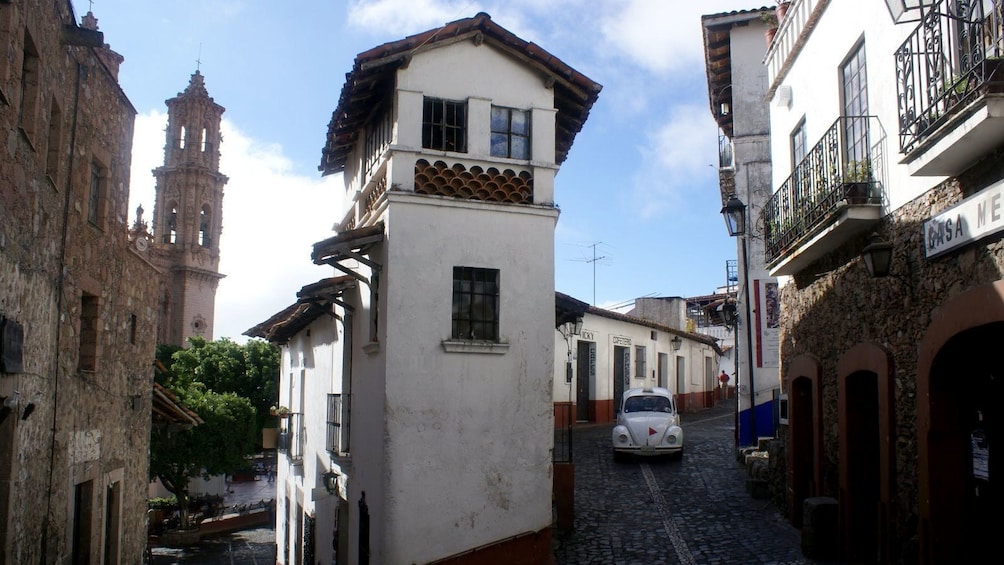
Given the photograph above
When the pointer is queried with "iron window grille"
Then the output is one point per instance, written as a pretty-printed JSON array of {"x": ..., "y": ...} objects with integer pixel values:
[
  {"x": 475, "y": 304},
  {"x": 444, "y": 125}
]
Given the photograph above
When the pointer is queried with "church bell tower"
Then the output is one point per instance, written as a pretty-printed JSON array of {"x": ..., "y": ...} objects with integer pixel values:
[{"x": 187, "y": 215}]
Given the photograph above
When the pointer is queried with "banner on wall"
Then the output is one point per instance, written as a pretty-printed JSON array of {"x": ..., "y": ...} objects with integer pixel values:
[{"x": 768, "y": 323}]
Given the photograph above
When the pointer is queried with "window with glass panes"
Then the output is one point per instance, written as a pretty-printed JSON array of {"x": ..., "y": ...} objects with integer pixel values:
[
  {"x": 510, "y": 133},
  {"x": 854, "y": 85},
  {"x": 444, "y": 125},
  {"x": 475, "y": 304}
]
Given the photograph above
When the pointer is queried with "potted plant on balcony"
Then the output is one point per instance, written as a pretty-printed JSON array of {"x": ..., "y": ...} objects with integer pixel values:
[
  {"x": 781, "y": 9},
  {"x": 769, "y": 18},
  {"x": 279, "y": 411},
  {"x": 858, "y": 181}
]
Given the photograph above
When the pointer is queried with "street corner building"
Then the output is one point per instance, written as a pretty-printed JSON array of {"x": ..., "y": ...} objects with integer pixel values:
[
  {"x": 883, "y": 228},
  {"x": 418, "y": 375},
  {"x": 78, "y": 304}
]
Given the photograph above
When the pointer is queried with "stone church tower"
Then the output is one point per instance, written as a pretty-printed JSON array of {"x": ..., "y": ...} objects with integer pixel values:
[{"x": 187, "y": 216}]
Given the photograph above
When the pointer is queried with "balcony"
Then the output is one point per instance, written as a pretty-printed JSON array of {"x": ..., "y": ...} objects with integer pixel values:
[
  {"x": 833, "y": 195},
  {"x": 950, "y": 83}
]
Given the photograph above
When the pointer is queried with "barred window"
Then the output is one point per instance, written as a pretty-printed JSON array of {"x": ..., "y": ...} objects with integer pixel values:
[
  {"x": 475, "y": 304},
  {"x": 510, "y": 133},
  {"x": 444, "y": 125}
]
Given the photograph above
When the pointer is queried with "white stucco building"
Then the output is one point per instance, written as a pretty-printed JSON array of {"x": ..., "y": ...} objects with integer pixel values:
[
  {"x": 734, "y": 48},
  {"x": 614, "y": 352},
  {"x": 419, "y": 380}
]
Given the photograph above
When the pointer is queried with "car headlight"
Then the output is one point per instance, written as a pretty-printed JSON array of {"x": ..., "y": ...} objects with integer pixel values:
[
  {"x": 622, "y": 437},
  {"x": 670, "y": 438}
]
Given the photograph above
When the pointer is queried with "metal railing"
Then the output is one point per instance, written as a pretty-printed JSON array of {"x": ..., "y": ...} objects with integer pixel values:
[
  {"x": 945, "y": 63},
  {"x": 564, "y": 415},
  {"x": 829, "y": 176},
  {"x": 338, "y": 424}
]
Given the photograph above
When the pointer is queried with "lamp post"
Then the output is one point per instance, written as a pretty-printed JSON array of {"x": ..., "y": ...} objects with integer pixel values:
[
  {"x": 568, "y": 331},
  {"x": 734, "y": 212}
]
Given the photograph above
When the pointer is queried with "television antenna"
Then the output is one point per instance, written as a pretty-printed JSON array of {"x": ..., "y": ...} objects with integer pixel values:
[{"x": 594, "y": 260}]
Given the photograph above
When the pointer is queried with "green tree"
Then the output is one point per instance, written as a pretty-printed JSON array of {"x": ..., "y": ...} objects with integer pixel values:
[
  {"x": 250, "y": 371},
  {"x": 218, "y": 446},
  {"x": 229, "y": 386}
]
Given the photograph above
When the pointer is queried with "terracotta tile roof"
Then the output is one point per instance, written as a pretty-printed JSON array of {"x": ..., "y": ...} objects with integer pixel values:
[
  {"x": 312, "y": 303},
  {"x": 370, "y": 84},
  {"x": 167, "y": 409},
  {"x": 700, "y": 338},
  {"x": 718, "y": 58}
]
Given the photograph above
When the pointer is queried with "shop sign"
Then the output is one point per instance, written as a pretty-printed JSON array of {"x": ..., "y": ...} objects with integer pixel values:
[{"x": 976, "y": 217}]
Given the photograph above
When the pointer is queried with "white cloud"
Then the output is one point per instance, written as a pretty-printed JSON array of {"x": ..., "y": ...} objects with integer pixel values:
[
  {"x": 679, "y": 153},
  {"x": 403, "y": 17},
  {"x": 664, "y": 36},
  {"x": 272, "y": 216}
]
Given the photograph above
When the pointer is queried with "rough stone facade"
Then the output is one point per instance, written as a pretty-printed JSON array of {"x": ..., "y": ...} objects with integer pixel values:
[
  {"x": 77, "y": 302},
  {"x": 825, "y": 315}
]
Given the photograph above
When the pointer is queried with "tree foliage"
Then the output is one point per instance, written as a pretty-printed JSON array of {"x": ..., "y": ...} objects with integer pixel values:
[
  {"x": 231, "y": 388},
  {"x": 250, "y": 370}
]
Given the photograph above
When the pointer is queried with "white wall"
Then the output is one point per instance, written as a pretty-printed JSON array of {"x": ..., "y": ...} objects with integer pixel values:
[
  {"x": 602, "y": 331},
  {"x": 453, "y": 449},
  {"x": 816, "y": 70},
  {"x": 468, "y": 434}
]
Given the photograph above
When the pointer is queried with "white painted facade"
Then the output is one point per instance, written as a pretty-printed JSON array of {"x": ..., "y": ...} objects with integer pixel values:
[
  {"x": 450, "y": 440},
  {"x": 652, "y": 360},
  {"x": 755, "y": 341},
  {"x": 814, "y": 82}
]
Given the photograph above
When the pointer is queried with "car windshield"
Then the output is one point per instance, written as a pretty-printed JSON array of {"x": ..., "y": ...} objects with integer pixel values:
[{"x": 647, "y": 404}]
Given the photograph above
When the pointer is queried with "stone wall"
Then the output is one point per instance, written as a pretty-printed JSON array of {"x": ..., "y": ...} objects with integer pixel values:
[
  {"x": 826, "y": 314},
  {"x": 70, "y": 425}
]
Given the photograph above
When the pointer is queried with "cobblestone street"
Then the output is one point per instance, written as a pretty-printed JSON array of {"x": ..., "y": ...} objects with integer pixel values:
[{"x": 690, "y": 511}]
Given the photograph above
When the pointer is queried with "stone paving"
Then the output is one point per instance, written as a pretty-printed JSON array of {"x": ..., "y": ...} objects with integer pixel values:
[
  {"x": 693, "y": 511},
  {"x": 690, "y": 511},
  {"x": 249, "y": 547}
]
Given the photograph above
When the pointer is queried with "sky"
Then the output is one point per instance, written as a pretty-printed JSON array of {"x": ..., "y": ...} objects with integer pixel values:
[{"x": 638, "y": 192}]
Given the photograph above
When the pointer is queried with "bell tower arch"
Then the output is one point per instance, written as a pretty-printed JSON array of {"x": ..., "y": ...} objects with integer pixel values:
[{"x": 187, "y": 215}]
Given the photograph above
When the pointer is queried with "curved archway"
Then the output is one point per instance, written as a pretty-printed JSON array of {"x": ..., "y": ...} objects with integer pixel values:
[
  {"x": 805, "y": 433},
  {"x": 866, "y": 419},
  {"x": 957, "y": 399}
]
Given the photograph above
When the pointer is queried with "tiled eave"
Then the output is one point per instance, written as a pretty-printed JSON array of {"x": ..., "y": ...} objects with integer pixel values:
[
  {"x": 718, "y": 59},
  {"x": 314, "y": 301},
  {"x": 370, "y": 83}
]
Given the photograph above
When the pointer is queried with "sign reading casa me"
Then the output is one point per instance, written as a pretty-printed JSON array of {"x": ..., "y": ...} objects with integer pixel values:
[{"x": 974, "y": 218}]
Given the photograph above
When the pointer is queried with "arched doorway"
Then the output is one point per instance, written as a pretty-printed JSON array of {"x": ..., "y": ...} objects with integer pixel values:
[
  {"x": 804, "y": 434},
  {"x": 959, "y": 392},
  {"x": 866, "y": 415}
]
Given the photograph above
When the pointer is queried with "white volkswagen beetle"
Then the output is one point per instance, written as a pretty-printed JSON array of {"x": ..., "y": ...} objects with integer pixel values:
[{"x": 647, "y": 424}]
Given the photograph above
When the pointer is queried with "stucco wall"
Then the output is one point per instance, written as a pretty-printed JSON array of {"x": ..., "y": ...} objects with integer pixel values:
[{"x": 488, "y": 414}]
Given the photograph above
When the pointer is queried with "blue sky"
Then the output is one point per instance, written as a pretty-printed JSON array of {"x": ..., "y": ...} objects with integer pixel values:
[{"x": 640, "y": 184}]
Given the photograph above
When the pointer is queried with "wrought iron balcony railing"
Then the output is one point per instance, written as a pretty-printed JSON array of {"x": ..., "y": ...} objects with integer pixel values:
[
  {"x": 338, "y": 424},
  {"x": 945, "y": 64},
  {"x": 841, "y": 169}
]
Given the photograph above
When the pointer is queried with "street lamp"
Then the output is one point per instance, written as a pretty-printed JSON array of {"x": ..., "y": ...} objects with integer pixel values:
[
  {"x": 734, "y": 212},
  {"x": 568, "y": 331},
  {"x": 877, "y": 256},
  {"x": 897, "y": 8}
]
